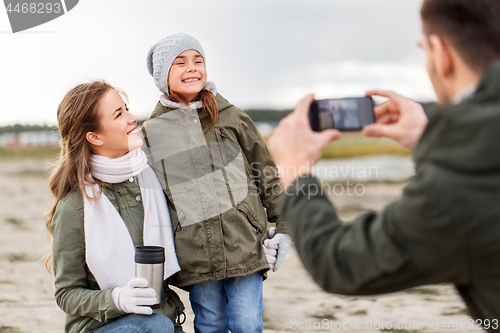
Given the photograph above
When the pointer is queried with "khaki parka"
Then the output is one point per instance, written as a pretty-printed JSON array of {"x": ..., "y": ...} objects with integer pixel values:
[
  {"x": 222, "y": 189},
  {"x": 77, "y": 293}
]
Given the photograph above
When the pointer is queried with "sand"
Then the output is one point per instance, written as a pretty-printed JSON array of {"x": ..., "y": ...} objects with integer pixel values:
[{"x": 292, "y": 301}]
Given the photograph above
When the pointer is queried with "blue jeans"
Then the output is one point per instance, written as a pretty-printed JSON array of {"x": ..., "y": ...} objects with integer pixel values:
[
  {"x": 233, "y": 304},
  {"x": 136, "y": 323}
]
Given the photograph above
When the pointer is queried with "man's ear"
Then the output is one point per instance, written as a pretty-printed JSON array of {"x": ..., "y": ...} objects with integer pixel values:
[
  {"x": 443, "y": 59},
  {"x": 94, "y": 139}
]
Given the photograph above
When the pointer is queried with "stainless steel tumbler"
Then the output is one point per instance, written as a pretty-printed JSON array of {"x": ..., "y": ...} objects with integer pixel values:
[{"x": 149, "y": 263}]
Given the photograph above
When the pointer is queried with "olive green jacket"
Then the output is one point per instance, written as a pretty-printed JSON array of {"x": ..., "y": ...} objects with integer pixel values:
[
  {"x": 224, "y": 245},
  {"x": 445, "y": 228},
  {"x": 77, "y": 293}
]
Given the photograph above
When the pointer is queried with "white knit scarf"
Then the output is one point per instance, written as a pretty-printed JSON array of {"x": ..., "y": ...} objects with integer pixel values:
[{"x": 109, "y": 250}]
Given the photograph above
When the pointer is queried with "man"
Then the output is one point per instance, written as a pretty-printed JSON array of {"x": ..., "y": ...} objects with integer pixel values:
[{"x": 446, "y": 227}]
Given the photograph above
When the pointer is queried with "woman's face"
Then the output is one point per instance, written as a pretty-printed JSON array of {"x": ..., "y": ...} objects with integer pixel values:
[
  {"x": 188, "y": 74},
  {"x": 118, "y": 133}
]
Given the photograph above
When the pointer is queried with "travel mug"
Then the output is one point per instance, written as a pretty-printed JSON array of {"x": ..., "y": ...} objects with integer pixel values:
[{"x": 149, "y": 262}]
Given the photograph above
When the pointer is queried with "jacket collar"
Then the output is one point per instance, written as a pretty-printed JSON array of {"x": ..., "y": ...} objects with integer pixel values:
[
  {"x": 464, "y": 137},
  {"x": 222, "y": 104},
  {"x": 166, "y": 101}
]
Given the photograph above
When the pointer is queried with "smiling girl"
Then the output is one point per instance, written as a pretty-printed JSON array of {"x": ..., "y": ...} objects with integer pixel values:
[
  {"x": 106, "y": 201},
  {"x": 217, "y": 172}
]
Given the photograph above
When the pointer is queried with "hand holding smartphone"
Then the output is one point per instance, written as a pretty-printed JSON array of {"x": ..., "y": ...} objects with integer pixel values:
[{"x": 343, "y": 114}]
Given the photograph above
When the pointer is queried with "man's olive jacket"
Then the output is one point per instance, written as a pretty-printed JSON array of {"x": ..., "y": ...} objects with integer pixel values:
[{"x": 445, "y": 228}]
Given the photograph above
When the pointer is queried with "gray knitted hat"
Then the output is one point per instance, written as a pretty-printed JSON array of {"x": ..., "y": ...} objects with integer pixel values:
[{"x": 162, "y": 55}]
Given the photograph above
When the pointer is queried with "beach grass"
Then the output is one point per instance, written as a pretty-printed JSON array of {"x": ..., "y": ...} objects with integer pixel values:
[
  {"x": 356, "y": 144},
  {"x": 29, "y": 152},
  {"x": 461, "y": 312},
  {"x": 350, "y": 145},
  {"x": 9, "y": 329}
]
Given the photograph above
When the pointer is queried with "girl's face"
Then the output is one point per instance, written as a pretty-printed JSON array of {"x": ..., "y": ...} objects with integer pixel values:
[
  {"x": 188, "y": 74},
  {"x": 118, "y": 134}
]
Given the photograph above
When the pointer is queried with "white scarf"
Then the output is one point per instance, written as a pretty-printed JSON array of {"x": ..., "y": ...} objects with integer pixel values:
[{"x": 109, "y": 250}]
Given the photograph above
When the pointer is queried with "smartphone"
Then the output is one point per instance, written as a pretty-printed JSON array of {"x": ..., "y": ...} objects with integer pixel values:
[{"x": 344, "y": 114}]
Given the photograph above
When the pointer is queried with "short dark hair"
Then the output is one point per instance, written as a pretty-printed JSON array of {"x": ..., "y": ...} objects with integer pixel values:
[{"x": 472, "y": 27}]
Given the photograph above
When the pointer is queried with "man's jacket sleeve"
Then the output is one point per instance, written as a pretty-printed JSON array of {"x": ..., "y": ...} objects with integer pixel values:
[{"x": 412, "y": 241}]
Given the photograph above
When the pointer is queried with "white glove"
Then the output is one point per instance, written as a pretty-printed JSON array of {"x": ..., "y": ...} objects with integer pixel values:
[
  {"x": 281, "y": 243},
  {"x": 134, "y": 297},
  {"x": 270, "y": 253}
]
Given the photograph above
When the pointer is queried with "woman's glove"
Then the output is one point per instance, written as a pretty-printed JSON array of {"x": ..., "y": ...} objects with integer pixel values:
[
  {"x": 280, "y": 243},
  {"x": 134, "y": 297}
]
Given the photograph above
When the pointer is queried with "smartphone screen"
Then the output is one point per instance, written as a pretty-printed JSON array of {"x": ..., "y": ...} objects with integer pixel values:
[{"x": 344, "y": 114}]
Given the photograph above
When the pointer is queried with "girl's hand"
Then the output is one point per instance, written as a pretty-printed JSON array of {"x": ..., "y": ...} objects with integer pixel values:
[
  {"x": 276, "y": 247},
  {"x": 134, "y": 297},
  {"x": 271, "y": 254}
]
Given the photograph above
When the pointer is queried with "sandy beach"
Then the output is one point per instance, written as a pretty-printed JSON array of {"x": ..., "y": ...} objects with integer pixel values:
[{"x": 292, "y": 301}]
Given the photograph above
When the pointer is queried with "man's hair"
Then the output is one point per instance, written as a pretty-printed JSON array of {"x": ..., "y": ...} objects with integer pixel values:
[{"x": 472, "y": 27}]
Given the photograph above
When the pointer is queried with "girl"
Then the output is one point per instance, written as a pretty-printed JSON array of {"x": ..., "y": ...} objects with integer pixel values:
[
  {"x": 106, "y": 201},
  {"x": 218, "y": 174}
]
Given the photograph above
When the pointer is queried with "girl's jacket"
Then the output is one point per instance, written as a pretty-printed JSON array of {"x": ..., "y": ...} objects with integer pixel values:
[{"x": 222, "y": 189}]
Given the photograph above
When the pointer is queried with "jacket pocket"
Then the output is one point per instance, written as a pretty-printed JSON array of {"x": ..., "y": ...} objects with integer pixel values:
[
  {"x": 179, "y": 222},
  {"x": 179, "y": 215},
  {"x": 219, "y": 135},
  {"x": 181, "y": 219},
  {"x": 245, "y": 209},
  {"x": 172, "y": 300}
]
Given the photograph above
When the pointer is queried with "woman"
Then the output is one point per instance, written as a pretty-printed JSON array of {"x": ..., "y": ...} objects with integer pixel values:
[{"x": 107, "y": 200}]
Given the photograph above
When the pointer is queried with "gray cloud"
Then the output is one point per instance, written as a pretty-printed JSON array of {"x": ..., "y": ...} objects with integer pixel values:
[{"x": 259, "y": 53}]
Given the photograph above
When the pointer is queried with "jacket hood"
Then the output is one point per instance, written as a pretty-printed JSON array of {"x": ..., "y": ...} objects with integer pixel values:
[
  {"x": 222, "y": 104},
  {"x": 466, "y": 137}
]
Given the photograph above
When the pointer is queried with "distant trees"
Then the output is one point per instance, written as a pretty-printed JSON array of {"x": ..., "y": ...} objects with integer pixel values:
[
  {"x": 257, "y": 115},
  {"x": 17, "y": 128},
  {"x": 267, "y": 115}
]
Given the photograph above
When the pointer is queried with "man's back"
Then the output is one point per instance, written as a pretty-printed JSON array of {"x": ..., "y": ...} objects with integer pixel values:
[
  {"x": 461, "y": 148},
  {"x": 446, "y": 227}
]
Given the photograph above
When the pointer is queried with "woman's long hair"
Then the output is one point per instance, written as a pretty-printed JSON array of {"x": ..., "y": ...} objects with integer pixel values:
[
  {"x": 77, "y": 115},
  {"x": 210, "y": 114}
]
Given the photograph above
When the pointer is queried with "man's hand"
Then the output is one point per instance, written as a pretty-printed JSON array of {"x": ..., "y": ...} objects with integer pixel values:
[
  {"x": 400, "y": 119},
  {"x": 295, "y": 146}
]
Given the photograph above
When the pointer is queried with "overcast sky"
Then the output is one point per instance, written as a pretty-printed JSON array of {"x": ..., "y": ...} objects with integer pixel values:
[{"x": 261, "y": 53}]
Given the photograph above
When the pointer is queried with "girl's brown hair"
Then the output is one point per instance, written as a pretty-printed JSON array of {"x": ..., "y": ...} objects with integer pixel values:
[
  {"x": 77, "y": 115},
  {"x": 210, "y": 113}
]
